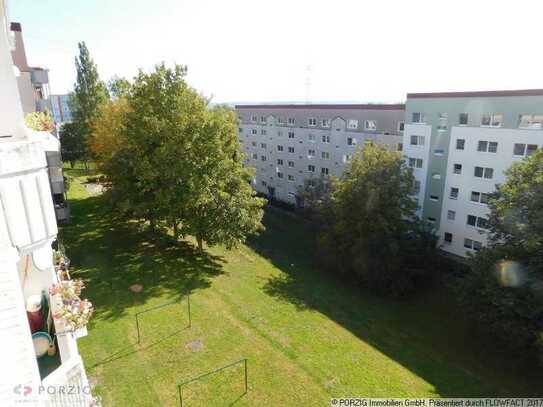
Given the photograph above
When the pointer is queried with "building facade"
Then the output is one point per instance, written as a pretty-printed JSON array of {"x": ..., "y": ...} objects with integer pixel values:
[
  {"x": 33, "y": 82},
  {"x": 60, "y": 107},
  {"x": 459, "y": 145},
  {"x": 289, "y": 144}
]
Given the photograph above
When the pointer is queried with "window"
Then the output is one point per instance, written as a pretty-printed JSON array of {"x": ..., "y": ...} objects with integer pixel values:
[
  {"x": 415, "y": 162},
  {"x": 417, "y": 140},
  {"x": 325, "y": 122},
  {"x": 311, "y": 153},
  {"x": 279, "y": 148},
  {"x": 439, "y": 152},
  {"x": 477, "y": 221},
  {"x": 448, "y": 237},
  {"x": 254, "y": 119},
  {"x": 281, "y": 120},
  {"x": 479, "y": 197},
  {"x": 352, "y": 124},
  {"x": 325, "y": 139},
  {"x": 240, "y": 130},
  {"x": 291, "y": 120},
  {"x": 530, "y": 121},
  {"x": 370, "y": 125},
  {"x": 417, "y": 117},
  {"x": 253, "y": 131},
  {"x": 263, "y": 132},
  {"x": 290, "y": 134},
  {"x": 436, "y": 175},
  {"x": 280, "y": 133},
  {"x": 463, "y": 119},
  {"x": 312, "y": 121},
  {"x": 325, "y": 171},
  {"x": 264, "y": 183},
  {"x": 431, "y": 219},
  {"x": 472, "y": 220},
  {"x": 311, "y": 183},
  {"x": 457, "y": 169},
  {"x": 290, "y": 178},
  {"x": 399, "y": 147},
  {"x": 263, "y": 145},
  {"x": 460, "y": 143},
  {"x": 279, "y": 161},
  {"x": 492, "y": 120},
  {"x": 347, "y": 158},
  {"x": 523, "y": 149},
  {"x": 325, "y": 155},
  {"x": 451, "y": 215},
  {"x": 262, "y": 119},
  {"x": 311, "y": 168},
  {"x": 291, "y": 164},
  {"x": 253, "y": 143},
  {"x": 487, "y": 173},
  {"x": 280, "y": 175},
  {"x": 263, "y": 158},
  {"x": 291, "y": 149},
  {"x": 434, "y": 198},
  {"x": 472, "y": 244},
  {"x": 443, "y": 119},
  {"x": 351, "y": 141},
  {"x": 487, "y": 146},
  {"x": 416, "y": 188},
  {"x": 255, "y": 156},
  {"x": 401, "y": 126},
  {"x": 311, "y": 137},
  {"x": 454, "y": 193}
]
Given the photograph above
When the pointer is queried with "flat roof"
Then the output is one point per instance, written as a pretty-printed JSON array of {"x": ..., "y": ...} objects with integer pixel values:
[
  {"x": 491, "y": 93},
  {"x": 301, "y": 106}
]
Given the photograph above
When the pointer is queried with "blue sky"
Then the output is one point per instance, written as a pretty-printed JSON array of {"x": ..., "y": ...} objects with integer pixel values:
[{"x": 261, "y": 50}]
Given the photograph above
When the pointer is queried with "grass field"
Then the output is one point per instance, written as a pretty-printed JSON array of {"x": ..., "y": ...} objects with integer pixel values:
[{"x": 307, "y": 336}]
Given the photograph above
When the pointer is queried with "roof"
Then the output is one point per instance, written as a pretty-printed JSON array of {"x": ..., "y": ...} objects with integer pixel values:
[
  {"x": 15, "y": 27},
  {"x": 369, "y": 106},
  {"x": 491, "y": 93}
]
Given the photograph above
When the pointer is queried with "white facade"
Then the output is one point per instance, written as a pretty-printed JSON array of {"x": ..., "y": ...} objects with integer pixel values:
[
  {"x": 27, "y": 229},
  {"x": 292, "y": 145},
  {"x": 416, "y": 149}
]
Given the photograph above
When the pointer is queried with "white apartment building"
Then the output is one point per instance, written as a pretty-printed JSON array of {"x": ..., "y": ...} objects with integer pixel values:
[
  {"x": 288, "y": 144},
  {"x": 459, "y": 145}
]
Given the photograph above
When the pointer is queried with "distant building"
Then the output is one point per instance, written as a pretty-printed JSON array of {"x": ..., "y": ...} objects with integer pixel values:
[
  {"x": 289, "y": 144},
  {"x": 33, "y": 82},
  {"x": 60, "y": 107}
]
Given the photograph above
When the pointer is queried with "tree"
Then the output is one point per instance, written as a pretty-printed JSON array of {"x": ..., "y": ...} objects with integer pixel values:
[
  {"x": 72, "y": 143},
  {"x": 118, "y": 87},
  {"x": 179, "y": 163},
  {"x": 504, "y": 288},
  {"x": 40, "y": 121},
  {"x": 369, "y": 227},
  {"x": 89, "y": 93}
]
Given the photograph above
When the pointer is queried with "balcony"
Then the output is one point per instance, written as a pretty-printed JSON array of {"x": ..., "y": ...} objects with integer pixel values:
[
  {"x": 62, "y": 211},
  {"x": 39, "y": 76}
]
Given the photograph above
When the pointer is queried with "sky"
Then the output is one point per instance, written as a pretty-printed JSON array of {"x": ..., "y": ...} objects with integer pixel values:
[{"x": 294, "y": 50}]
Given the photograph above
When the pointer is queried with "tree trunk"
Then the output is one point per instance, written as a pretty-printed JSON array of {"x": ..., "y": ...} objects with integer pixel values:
[
  {"x": 200, "y": 243},
  {"x": 175, "y": 230}
]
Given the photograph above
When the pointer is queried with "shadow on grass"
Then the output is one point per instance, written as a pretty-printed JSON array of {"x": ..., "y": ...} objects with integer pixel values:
[
  {"x": 111, "y": 256},
  {"x": 422, "y": 334}
]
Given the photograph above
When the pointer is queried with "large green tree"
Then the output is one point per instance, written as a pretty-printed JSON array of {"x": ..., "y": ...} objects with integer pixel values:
[
  {"x": 504, "y": 288},
  {"x": 369, "y": 227},
  {"x": 89, "y": 93},
  {"x": 72, "y": 144},
  {"x": 179, "y": 164}
]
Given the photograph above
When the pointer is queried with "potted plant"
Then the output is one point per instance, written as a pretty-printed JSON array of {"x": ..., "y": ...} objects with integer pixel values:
[{"x": 68, "y": 307}]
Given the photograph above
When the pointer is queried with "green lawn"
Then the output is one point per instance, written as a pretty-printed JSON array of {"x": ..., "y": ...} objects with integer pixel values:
[{"x": 307, "y": 336}]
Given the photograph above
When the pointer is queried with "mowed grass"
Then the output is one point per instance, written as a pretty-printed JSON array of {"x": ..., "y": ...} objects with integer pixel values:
[{"x": 307, "y": 336}]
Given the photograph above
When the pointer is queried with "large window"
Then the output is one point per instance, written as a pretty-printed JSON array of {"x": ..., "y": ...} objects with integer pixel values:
[
  {"x": 524, "y": 149},
  {"x": 482, "y": 172},
  {"x": 531, "y": 121},
  {"x": 370, "y": 125},
  {"x": 279, "y": 161},
  {"x": 479, "y": 197},
  {"x": 487, "y": 146},
  {"x": 312, "y": 122},
  {"x": 463, "y": 119},
  {"x": 325, "y": 139},
  {"x": 477, "y": 221},
  {"x": 352, "y": 124},
  {"x": 311, "y": 168},
  {"x": 492, "y": 120},
  {"x": 325, "y": 122},
  {"x": 325, "y": 155},
  {"x": 417, "y": 117},
  {"x": 417, "y": 140},
  {"x": 415, "y": 162},
  {"x": 472, "y": 244}
]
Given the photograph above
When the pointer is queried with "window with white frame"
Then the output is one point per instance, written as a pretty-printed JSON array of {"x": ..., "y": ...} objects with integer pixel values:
[
  {"x": 415, "y": 162},
  {"x": 477, "y": 221},
  {"x": 281, "y": 120},
  {"x": 351, "y": 141},
  {"x": 352, "y": 124},
  {"x": 487, "y": 146},
  {"x": 263, "y": 158},
  {"x": 280, "y": 174},
  {"x": 291, "y": 149},
  {"x": 370, "y": 125},
  {"x": 448, "y": 237},
  {"x": 254, "y": 119},
  {"x": 472, "y": 244},
  {"x": 443, "y": 120},
  {"x": 262, "y": 119},
  {"x": 416, "y": 188},
  {"x": 325, "y": 155},
  {"x": 522, "y": 150},
  {"x": 254, "y": 131},
  {"x": 263, "y": 145},
  {"x": 401, "y": 126},
  {"x": 291, "y": 164},
  {"x": 325, "y": 139},
  {"x": 325, "y": 171},
  {"x": 279, "y": 161},
  {"x": 347, "y": 158},
  {"x": 399, "y": 147},
  {"x": 290, "y": 177},
  {"x": 492, "y": 120},
  {"x": 311, "y": 153},
  {"x": 417, "y": 117},
  {"x": 312, "y": 122},
  {"x": 416, "y": 140},
  {"x": 460, "y": 143},
  {"x": 484, "y": 172},
  {"x": 311, "y": 168},
  {"x": 479, "y": 197},
  {"x": 457, "y": 169},
  {"x": 451, "y": 215},
  {"x": 463, "y": 119},
  {"x": 290, "y": 134},
  {"x": 263, "y": 132},
  {"x": 264, "y": 183},
  {"x": 311, "y": 137},
  {"x": 325, "y": 122},
  {"x": 279, "y": 148},
  {"x": 531, "y": 121},
  {"x": 291, "y": 120},
  {"x": 454, "y": 192},
  {"x": 255, "y": 156}
]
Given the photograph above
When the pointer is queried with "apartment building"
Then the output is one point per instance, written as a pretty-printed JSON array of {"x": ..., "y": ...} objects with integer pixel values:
[
  {"x": 459, "y": 145},
  {"x": 290, "y": 143},
  {"x": 60, "y": 106},
  {"x": 33, "y": 82}
]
